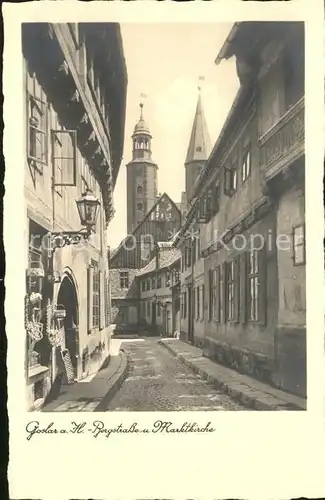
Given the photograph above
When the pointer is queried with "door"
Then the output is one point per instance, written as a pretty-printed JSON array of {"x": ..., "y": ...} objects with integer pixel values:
[{"x": 67, "y": 297}]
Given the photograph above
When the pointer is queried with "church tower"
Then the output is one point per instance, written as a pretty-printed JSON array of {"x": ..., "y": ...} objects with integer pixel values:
[
  {"x": 198, "y": 150},
  {"x": 141, "y": 175}
]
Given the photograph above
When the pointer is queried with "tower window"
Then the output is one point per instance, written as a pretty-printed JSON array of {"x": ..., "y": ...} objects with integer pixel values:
[
  {"x": 139, "y": 189},
  {"x": 139, "y": 206}
]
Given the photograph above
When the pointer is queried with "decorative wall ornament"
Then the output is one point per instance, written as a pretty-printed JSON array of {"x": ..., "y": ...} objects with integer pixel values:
[{"x": 34, "y": 330}]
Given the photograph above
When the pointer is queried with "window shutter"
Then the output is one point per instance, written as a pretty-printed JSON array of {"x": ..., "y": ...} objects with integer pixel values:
[
  {"x": 262, "y": 300},
  {"x": 223, "y": 293},
  {"x": 90, "y": 298},
  {"x": 227, "y": 181},
  {"x": 101, "y": 301},
  {"x": 210, "y": 294},
  {"x": 217, "y": 296},
  {"x": 237, "y": 301},
  {"x": 243, "y": 287}
]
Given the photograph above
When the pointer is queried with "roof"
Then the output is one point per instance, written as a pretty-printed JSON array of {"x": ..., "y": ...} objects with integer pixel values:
[
  {"x": 200, "y": 144},
  {"x": 240, "y": 98},
  {"x": 144, "y": 218},
  {"x": 141, "y": 127},
  {"x": 224, "y": 52},
  {"x": 167, "y": 257}
]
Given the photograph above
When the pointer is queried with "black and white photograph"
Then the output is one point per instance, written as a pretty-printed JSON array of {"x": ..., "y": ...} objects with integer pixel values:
[
  {"x": 165, "y": 216},
  {"x": 163, "y": 249}
]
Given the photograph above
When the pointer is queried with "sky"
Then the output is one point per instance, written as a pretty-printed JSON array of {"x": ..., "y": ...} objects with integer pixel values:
[{"x": 165, "y": 61}]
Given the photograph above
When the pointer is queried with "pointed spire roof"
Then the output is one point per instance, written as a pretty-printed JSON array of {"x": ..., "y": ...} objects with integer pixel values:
[{"x": 199, "y": 147}]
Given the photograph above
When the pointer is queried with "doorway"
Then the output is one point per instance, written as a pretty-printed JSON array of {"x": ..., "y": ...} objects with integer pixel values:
[
  {"x": 191, "y": 304},
  {"x": 67, "y": 297},
  {"x": 153, "y": 317}
]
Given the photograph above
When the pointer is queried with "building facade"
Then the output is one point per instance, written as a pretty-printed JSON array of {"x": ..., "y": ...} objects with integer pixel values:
[
  {"x": 158, "y": 284},
  {"x": 134, "y": 253},
  {"x": 249, "y": 205},
  {"x": 75, "y": 92}
]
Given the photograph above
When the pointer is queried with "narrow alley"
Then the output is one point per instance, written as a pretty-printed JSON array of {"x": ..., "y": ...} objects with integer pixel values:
[{"x": 157, "y": 381}]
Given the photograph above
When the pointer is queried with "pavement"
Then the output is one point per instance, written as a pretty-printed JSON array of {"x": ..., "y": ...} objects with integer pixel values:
[
  {"x": 158, "y": 381},
  {"x": 154, "y": 374},
  {"x": 92, "y": 394},
  {"x": 251, "y": 393}
]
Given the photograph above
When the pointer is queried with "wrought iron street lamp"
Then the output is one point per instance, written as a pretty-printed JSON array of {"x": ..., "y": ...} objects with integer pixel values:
[{"x": 88, "y": 208}]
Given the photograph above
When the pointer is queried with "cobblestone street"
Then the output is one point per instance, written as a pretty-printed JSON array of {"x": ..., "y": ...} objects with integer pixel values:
[{"x": 157, "y": 381}]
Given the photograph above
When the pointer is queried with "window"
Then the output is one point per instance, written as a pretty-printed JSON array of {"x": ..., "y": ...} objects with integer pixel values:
[
  {"x": 148, "y": 284},
  {"x": 197, "y": 302},
  {"x": 230, "y": 270},
  {"x": 64, "y": 155},
  {"x": 139, "y": 189},
  {"x": 299, "y": 245},
  {"x": 158, "y": 309},
  {"x": 230, "y": 180},
  {"x": 96, "y": 295},
  {"x": 139, "y": 206},
  {"x": 124, "y": 279},
  {"x": 246, "y": 165},
  {"x": 158, "y": 281},
  {"x": 198, "y": 149},
  {"x": 143, "y": 286},
  {"x": 148, "y": 308},
  {"x": 270, "y": 104},
  {"x": 253, "y": 286},
  {"x": 37, "y": 121},
  {"x": 185, "y": 305},
  {"x": 153, "y": 282}
]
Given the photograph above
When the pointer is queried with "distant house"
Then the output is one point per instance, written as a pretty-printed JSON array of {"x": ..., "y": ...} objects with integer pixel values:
[
  {"x": 158, "y": 283},
  {"x": 135, "y": 252}
]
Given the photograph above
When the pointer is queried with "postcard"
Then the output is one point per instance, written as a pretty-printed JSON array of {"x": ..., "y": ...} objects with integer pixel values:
[{"x": 164, "y": 262}]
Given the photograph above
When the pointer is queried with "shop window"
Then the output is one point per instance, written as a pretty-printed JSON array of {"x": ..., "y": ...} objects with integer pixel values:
[
  {"x": 124, "y": 279},
  {"x": 299, "y": 245}
]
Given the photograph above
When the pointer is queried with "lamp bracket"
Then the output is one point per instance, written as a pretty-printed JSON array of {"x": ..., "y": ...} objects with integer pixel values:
[{"x": 64, "y": 238}]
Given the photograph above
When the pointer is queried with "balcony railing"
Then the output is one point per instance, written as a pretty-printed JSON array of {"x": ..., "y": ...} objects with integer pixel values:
[{"x": 284, "y": 142}]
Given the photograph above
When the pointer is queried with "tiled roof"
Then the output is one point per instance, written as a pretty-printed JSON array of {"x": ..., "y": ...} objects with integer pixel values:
[{"x": 167, "y": 257}]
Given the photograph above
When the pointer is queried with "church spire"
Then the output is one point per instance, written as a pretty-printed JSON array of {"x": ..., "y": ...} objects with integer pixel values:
[{"x": 199, "y": 146}]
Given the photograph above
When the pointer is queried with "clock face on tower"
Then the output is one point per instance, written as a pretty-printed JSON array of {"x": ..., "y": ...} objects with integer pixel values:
[{"x": 163, "y": 211}]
